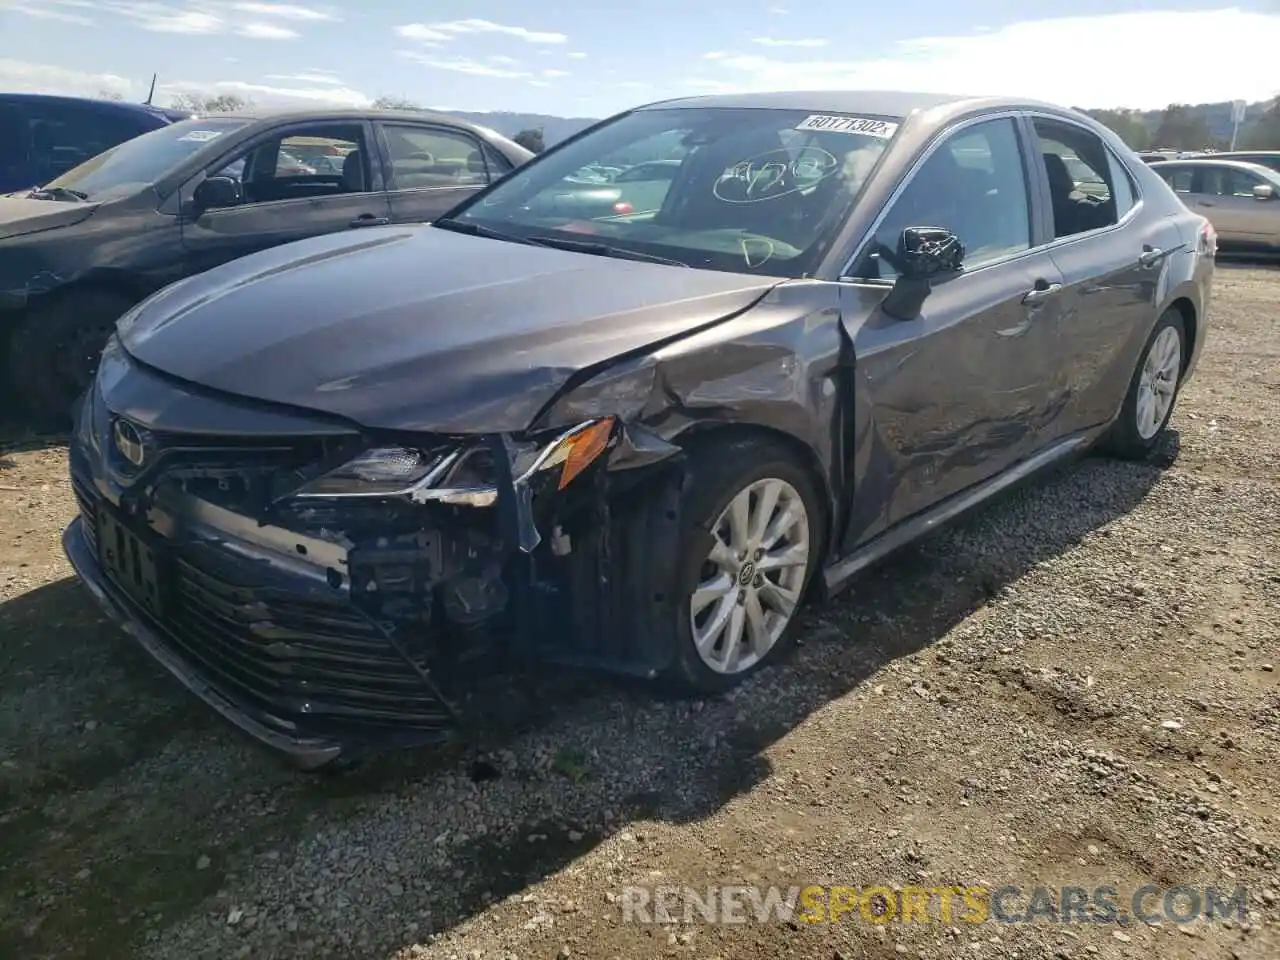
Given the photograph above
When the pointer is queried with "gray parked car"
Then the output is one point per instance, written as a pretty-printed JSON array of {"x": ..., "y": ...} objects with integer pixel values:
[
  {"x": 315, "y": 481},
  {"x": 1241, "y": 200}
]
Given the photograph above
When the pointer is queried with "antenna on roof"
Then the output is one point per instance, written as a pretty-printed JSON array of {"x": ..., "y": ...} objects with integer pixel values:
[{"x": 152, "y": 92}]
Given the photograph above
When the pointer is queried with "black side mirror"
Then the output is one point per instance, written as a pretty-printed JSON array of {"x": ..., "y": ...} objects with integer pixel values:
[
  {"x": 923, "y": 253},
  {"x": 218, "y": 192}
]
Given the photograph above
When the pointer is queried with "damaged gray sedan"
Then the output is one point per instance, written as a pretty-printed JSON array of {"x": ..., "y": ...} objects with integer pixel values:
[{"x": 317, "y": 481}]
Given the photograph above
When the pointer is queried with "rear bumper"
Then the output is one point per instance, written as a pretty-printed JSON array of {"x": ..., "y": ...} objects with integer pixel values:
[{"x": 305, "y": 751}]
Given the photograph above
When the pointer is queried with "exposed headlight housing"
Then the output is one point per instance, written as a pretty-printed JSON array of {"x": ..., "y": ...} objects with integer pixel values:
[
  {"x": 380, "y": 472},
  {"x": 462, "y": 477}
]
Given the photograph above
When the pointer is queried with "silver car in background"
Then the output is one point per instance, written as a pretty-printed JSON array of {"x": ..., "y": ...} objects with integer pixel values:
[{"x": 1241, "y": 200}]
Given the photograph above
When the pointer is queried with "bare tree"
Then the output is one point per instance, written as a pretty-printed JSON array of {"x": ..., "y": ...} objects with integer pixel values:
[
  {"x": 395, "y": 103},
  {"x": 110, "y": 95},
  {"x": 222, "y": 103}
]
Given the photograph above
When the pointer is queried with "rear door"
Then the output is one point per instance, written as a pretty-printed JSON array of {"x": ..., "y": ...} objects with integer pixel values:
[
  {"x": 285, "y": 198},
  {"x": 1111, "y": 257},
  {"x": 430, "y": 167}
]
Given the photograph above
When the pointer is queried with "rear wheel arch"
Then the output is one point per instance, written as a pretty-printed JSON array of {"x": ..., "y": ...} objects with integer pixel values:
[{"x": 1187, "y": 309}]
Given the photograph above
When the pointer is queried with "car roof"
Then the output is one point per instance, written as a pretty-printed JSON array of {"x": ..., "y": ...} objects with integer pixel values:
[
  {"x": 1212, "y": 162},
  {"x": 97, "y": 103},
  {"x": 887, "y": 103},
  {"x": 347, "y": 113}
]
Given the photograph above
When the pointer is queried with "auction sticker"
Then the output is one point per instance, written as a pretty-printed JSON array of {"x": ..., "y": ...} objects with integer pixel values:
[
  {"x": 836, "y": 124},
  {"x": 201, "y": 136}
]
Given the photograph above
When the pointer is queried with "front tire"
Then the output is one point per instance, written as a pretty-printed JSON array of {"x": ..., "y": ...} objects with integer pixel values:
[
  {"x": 1153, "y": 391},
  {"x": 751, "y": 541},
  {"x": 54, "y": 352}
]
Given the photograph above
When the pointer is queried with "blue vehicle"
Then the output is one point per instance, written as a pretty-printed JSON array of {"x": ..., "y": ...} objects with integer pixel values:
[{"x": 43, "y": 136}]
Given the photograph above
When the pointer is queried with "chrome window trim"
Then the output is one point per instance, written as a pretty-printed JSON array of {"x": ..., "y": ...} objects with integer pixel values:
[
  {"x": 945, "y": 135},
  {"x": 938, "y": 140},
  {"x": 1033, "y": 115}
]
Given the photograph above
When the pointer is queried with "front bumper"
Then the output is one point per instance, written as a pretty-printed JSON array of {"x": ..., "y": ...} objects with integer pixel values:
[{"x": 306, "y": 751}]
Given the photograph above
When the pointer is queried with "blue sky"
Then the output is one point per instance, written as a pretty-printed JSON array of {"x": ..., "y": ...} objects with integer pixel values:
[{"x": 595, "y": 57}]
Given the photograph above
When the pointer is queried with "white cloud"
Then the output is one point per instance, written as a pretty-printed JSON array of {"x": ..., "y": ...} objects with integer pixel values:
[
  {"x": 465, "y": 65},
  {"x": 161, "y": 19},
  {"x": 778, "y": 11},
  {"x": 438, "y": 33},
  {"x": 205, "y": 17},
  {"x": 504, "y": 61},
  {"x": 771, "y": 42},
  {"x": 266, "y": 31},
  {"x": 19, "y": 75},
  {"x": 553, "y": 74},
  {"x": 284, "y": 11},
  {"x": 577, "y": 55},
  {"x": 64, "y": 11},
  {"x": 268, "y": 95},
  {"x": 1042, "y": 59},
  {"x": 24, "y": 77},
  {"x": 307, "y": 76}
]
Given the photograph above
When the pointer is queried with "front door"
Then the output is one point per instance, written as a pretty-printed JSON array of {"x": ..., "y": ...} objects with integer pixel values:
[
  {"x": 430, "y": 168},
  {"x": 958, "y": 394},
  {"x": 286, "y": 194}
]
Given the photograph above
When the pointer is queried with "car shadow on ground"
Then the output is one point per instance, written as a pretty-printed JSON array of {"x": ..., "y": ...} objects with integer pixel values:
[{"x": 575, "y": 758}]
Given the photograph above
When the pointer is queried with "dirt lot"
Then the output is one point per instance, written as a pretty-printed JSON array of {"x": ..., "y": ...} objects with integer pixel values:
[{"x": 1076, "y": 686}]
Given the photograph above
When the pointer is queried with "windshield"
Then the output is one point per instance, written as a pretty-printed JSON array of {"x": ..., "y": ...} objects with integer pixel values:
[
  {"x": 141, "y": 161},
  {"x": 759, "y": 191}
]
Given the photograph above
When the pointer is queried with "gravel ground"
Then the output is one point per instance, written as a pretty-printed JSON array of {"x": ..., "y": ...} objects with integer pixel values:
[{"x": 1075, "y": 686}]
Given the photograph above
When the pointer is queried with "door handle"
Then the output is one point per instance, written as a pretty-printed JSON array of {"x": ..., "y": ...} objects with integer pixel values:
[
  {"x": 369, "y": 220},
  {"x": 1041, "y": 291},
  {"x": 1150, "y": 256}
]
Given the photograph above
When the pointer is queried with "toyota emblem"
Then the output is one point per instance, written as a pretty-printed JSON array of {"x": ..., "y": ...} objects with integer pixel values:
[{"x": 130, "y": 443}]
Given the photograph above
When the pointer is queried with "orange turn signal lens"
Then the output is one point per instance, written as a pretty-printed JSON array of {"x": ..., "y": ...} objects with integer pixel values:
[{"x": 583, "y": 447}]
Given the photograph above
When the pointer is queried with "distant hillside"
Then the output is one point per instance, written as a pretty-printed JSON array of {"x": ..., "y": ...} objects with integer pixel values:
[
  {"x": 554, "y": 129},
  {"x": 1179, "y": 126}
]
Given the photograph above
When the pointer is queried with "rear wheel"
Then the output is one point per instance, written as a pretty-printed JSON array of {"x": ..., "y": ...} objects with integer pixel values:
[
  {"x": 54, "y": 352},
  {"x": 751, "y": 543},
  {"x": 1148, "y": 405}
]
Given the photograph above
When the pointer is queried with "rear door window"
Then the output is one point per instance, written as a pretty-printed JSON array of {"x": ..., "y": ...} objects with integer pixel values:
[{"x": 425, "y": 157}]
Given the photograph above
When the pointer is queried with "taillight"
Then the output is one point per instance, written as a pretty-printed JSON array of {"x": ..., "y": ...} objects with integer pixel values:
[
  {"x": 622, "y": 207},
  {"x": 1208, "y": 238}
]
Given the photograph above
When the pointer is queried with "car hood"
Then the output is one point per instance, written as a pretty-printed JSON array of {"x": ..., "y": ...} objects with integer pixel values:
[
  {"x": 420, "y": 328},
  {"x": 20, "y": 216}
]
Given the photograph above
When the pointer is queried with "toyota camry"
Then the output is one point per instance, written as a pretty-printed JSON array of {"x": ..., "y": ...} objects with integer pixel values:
[{"x": 318, "y": 481}]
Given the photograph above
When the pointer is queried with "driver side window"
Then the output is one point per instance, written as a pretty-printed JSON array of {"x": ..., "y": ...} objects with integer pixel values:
[
  {"x": 321, "y": 161},
  {"x": 975, "y": 185}
]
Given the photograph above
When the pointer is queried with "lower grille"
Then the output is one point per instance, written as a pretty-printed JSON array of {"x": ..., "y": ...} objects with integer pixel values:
[
  {"x": 320, "y": 661},
  {"x": 314, "y": 663}
]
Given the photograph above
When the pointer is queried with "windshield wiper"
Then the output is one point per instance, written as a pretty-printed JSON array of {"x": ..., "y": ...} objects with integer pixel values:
[
  {"x": 605, "y": 250},
  {"x": 475, "y": 230},
  {"x": 57, "y": 193}
]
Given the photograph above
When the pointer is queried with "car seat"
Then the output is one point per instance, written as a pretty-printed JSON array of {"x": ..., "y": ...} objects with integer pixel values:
[
  {"x": 353, "y": 172},
  {"x": 1061, "y": 186}
]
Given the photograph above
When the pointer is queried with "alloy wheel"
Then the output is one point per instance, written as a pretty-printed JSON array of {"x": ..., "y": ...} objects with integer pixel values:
[
  {"x": 751, "y": 580},
  {"x": 1158, "y": 382}
]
